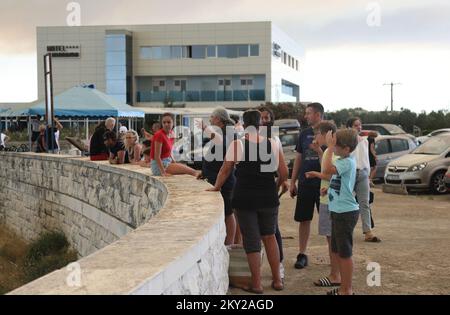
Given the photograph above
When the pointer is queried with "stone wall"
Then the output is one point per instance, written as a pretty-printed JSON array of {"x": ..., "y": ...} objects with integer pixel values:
[
  {"x": 105, "y": 212},
  {"x": 92, "y": 204}
]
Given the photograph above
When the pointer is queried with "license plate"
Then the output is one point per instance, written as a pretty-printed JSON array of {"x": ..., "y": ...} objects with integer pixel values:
[{"x": 393, "y": 177}]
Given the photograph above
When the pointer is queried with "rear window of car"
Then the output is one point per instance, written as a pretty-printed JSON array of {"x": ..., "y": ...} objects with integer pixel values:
[
  {"x": 399, "y": 145},
  {"x": 382, "y": 147},
  {"x": 288, "y": 139},
  {"x": 382, "y": 131}
]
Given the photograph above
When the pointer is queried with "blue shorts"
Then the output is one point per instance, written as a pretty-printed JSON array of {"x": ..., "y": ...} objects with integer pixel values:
[{"x": 155, "y": 168}]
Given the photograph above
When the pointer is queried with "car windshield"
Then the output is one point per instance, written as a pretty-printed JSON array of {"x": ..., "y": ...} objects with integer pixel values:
[
  {"x": 394, "y": 130},
  {"x": 435, "y": 146}
]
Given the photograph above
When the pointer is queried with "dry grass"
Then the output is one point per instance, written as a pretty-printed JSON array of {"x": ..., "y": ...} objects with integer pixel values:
[
  {"x": 21, "y": 263},
  {"x": 12, "y": 252}
]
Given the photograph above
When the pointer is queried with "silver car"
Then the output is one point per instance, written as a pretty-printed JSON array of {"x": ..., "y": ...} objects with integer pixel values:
[
  {"x": 423, "y": 139},
  {"x": 447, "y": 179},
  {"x": 389, "y": 148},
  {"x": 424, "y": 168}
]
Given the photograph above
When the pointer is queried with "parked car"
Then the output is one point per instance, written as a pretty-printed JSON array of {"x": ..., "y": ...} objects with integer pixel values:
[
  {"x": 432, "y": 134},
  {"x": 447, "y": 179},
  {"x": 423, "y": 168},
  {"x": 289, "y": 141},
  {"x": 287, "y": 124},
  {"x": 389, "y": 148},
  {"x": 389, "y": 130}
]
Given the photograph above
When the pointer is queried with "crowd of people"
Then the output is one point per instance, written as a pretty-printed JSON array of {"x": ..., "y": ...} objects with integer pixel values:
[{"x": 245, "y": 163}]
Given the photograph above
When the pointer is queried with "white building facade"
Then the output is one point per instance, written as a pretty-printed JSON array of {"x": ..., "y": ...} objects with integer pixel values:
[{"x": 236, "y": 65}]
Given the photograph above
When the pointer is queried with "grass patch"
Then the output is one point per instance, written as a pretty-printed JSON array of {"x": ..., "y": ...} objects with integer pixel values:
[{"x": 21, "y": 263}]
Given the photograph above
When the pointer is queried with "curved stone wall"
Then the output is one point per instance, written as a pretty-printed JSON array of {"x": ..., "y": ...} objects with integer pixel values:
[{"x": 105, "y": 212}]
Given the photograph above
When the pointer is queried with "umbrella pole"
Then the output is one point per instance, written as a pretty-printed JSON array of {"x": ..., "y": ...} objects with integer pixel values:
[
  {"x": 87, "y": 128},
  {"x": 29, "y": 132}
]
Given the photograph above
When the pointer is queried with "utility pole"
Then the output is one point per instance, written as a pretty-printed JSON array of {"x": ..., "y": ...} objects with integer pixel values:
[{"x": 392, "y": 93}]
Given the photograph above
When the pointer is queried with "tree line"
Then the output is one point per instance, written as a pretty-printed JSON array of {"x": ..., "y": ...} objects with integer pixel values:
[{"x": 405, "y": 118}]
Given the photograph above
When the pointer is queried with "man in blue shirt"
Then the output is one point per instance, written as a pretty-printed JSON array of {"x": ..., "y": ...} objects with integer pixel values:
[{"x": 308, "y": 191}]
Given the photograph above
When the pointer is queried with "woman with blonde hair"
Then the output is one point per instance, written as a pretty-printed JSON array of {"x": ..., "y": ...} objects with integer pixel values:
[{"x": 132, "y": 146}]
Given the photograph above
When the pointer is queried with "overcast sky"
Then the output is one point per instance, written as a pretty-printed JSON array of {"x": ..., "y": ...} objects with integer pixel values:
[{"x": 346, "y": 60}]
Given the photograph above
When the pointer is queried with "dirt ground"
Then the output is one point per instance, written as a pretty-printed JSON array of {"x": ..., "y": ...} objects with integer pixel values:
[{"x": 414, "y": 254}]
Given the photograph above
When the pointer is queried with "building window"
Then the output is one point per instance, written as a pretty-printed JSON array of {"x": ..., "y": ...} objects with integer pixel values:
[
  {"x": 242, "y": 50},
  {"x": 284, "y": 57},
  {"x": 176, "y": 52},
  {"x": 254, "y": 50},
  {"x": 198, "y": 52},
  {"x": 211, "y": 52},
  {"x": 296, "y": 65}
]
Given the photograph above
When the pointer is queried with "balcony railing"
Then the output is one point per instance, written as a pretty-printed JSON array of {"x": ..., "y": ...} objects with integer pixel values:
[{"x": 202, "y": 96}]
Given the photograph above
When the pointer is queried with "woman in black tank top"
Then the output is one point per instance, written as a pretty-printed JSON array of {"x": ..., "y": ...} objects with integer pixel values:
[{"x": 255, "y": 197}]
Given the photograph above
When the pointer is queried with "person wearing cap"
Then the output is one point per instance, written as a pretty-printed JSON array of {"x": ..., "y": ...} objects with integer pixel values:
[{"x": 221, "y": 132}]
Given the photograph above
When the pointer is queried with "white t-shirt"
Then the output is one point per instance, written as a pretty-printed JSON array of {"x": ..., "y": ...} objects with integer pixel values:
[
  {"x": 35, "y": 125},
  {"x": 278, "y": 142},
  {"x": 2, "y": 139},
  {"x": 361, "y": 154}
]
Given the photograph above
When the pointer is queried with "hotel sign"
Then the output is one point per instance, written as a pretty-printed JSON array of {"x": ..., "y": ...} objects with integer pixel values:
[{"x": 64, "y": 51}]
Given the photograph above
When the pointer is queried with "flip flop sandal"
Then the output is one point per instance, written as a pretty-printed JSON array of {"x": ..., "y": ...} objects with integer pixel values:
[
  {"x": 253, "y": 290},
  {"x": 372, "y": 240},
  {"x": 326, "y": 283},
  {"x": 335, "y": 292},
  {"x": 279, "y": 288}
]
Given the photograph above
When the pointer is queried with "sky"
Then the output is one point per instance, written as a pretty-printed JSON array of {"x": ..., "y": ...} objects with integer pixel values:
[{"x": 352, "y": 47}]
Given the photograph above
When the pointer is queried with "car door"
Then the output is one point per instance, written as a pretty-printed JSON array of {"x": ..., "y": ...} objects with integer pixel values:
[{"x": 383, "y": 150}]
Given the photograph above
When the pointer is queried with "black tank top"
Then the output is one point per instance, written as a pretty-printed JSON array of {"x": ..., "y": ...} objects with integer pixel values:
[{"x": 255, "y": 187}]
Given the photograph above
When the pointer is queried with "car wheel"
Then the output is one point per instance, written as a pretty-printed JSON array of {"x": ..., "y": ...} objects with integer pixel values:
[{"x": 438, "y": 183}]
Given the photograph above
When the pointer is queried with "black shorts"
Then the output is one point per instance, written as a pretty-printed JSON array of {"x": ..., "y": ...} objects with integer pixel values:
[
  {"x": 255, "y": 223},
  {"x": 342, "y": 226},
  {"x": 34, "y": 136},
  {"x": 307, "y": 198}
]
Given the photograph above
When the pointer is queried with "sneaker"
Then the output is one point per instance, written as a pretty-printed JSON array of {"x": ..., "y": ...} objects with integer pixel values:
[
  {"x": 281, "y": 271},
  {"x": 302, "y": 261}
]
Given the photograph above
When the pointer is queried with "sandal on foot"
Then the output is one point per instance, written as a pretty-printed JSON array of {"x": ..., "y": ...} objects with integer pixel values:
[
  {"x": 335, "y": 292},
  {"x": 373, "y": 239},
  {"x": 277, "y": 288},
  {"x": 253, "y": 290},
  {"x": 326, "y": 283}
]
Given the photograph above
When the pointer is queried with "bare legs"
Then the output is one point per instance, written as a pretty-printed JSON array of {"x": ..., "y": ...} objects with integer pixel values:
[
  {"x": 273, "y": 256},
  {"x": 181, "y": 169},
  {"x": 346, "y": 268},
  {"x": 335, "y": 275},
  {"x": 304, "y": 229},
  {"x": 230, "y": 224}
]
